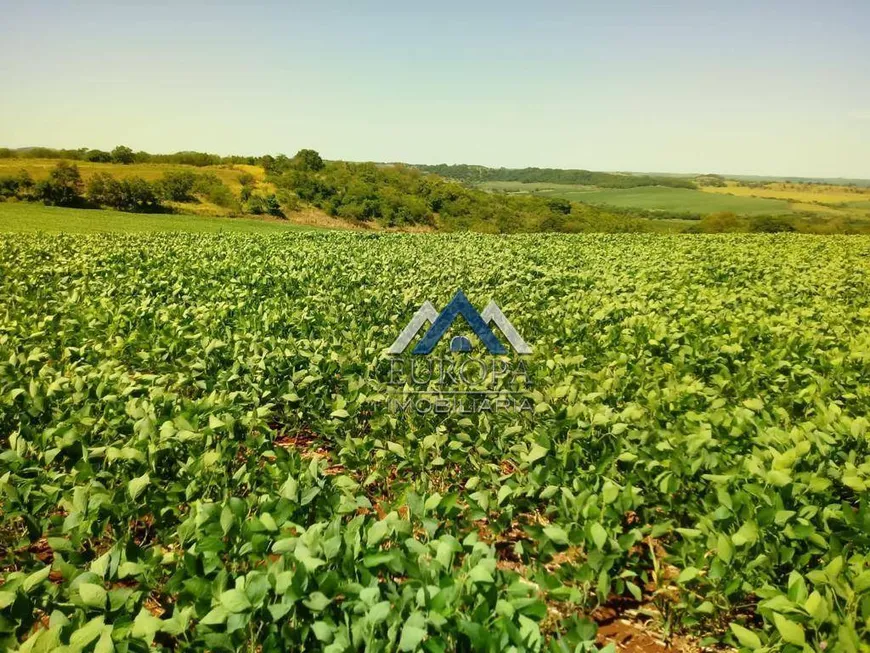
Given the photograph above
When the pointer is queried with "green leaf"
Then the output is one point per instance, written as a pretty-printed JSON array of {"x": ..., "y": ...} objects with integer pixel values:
[
  {"x": 754, "y": 404},
  {"x": 218, "y": 615},
  {"x": 35, "y": 578},
  {"x": 556, "y": 534},
  {"x": 377, "y": 532},
  {"x": 745, "y": 636},
  {"x": 535, "y": 453},
  {"x": 235, "y": 600},
  {"x": 724, "y": 548},
  {"x": 6, "y": 599},
  {"x": 378, "y": 612},
  {"x": 688, "y": 574},
  {"x": 137, "y": 485},
  {"x": 480, "y": 574},
  {"x": 791, "y": 632},
  {"x": 93, "y": 595},
  {"x": 316, "y": 601},
  {"x": 322, "y": 631},
  {"x": 747, "y": 534},
  {"x": 599, "y": 535},
  {"x": 412, "y": 636},
  {"x": 87, "y": 633}
]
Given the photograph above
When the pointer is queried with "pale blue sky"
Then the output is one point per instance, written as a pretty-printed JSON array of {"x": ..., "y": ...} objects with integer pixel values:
[{"x": 737, "y": 87}]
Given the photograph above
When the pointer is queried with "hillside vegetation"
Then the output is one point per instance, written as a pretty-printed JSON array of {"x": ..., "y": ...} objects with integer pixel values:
[
  {"x": 305, "y": 189},
  {"x": 479, "y": 174}
]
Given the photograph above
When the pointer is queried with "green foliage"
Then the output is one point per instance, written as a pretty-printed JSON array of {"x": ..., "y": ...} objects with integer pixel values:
[
  {"x": 178, "y": 186},
  {"x": 123, "y": 154},
  {"x": 770, "y": 224},
  {"x": 479, "y": 174},
  {"x": 711, "y": 180},
  {"x": 273, "y": 206},
  {"x": 401, "y": 196},
  {"x": 198, "y": 452},
  {"x": 98, "y": 156},
  {"x": 63, "y": 187},
  {"x": 308, "y": 160},
  {"x": 128, "y": 194},
  {"x": 19, "y": 186},
  {"x": 210, "y": 187}
]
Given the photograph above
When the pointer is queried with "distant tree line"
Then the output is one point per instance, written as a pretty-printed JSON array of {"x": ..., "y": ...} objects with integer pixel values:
[
  {"x": 478, "y": 174},
  {"x": 125, "y": 156}
]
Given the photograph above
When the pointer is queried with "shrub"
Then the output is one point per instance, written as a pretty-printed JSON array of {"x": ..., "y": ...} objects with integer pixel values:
[
  {"x": 770, "y": 224},
  {"x": 18, "y": 186},
  {"x": 558, "y": 205},
  {"x": 133, "y": 194},
  {"x": 308, "y": 160},
  {"x": 273, "y": 207},
  {"x": 63, "y": 187},
  {"x": 215, "y": 191},
  {"x": 98, "y": 156},
  {"x": 177, "y": 186},
  {"x": 123, "y": 154},
  {"x": 248, "y": 182},
  {"x": 721, "y": 222},
  {"x": 256, "y": 205}
]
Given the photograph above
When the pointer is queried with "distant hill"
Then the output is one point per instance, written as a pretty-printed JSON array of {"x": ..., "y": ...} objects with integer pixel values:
[{"x": 478, "y": 174}]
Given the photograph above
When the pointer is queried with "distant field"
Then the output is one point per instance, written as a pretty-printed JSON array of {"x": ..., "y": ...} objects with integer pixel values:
[
  {"x": 22, "y": 217},
  {"x": 828, "y": 194},
  {"x": 653, "y": 198},
  {"x": 659, "y": 198}
]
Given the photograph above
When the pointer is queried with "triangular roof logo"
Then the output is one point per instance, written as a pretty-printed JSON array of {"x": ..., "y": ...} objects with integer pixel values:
[{"x": 440, "y": 322}]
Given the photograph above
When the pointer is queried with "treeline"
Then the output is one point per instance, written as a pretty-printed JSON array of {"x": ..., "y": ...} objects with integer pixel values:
[
  {"x": 403, "y": 196},
  {"x": 125, "y": 156},
  {"x": 65, "y": 187},
  {"x": 477, "y": 174}
]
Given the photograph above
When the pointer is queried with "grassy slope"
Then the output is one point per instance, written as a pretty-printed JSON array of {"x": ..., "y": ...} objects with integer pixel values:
[{"x": 28, "y": 218}]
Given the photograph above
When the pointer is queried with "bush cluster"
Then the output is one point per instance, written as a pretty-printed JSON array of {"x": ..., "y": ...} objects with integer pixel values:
[
  {"x": 131, "y": 194},
  {"x": 65, "y": 187},
  {"x": 402, "y": 196}
]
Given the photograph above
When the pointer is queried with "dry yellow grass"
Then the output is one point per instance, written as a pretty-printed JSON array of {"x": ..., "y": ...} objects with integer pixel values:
[{"x": 805, "y": 193}]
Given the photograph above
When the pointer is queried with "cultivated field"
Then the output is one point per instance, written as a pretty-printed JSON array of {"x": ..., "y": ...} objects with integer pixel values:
[
  {"x": 653, "y": 198},
  {"x": 199, "y": 453},
  {"x": 807, "y": 193}
]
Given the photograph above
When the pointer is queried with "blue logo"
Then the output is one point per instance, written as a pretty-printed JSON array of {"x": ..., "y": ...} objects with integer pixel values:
[{"x": 441, "y": 322}]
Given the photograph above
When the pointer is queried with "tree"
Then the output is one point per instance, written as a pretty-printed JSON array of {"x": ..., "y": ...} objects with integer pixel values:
[
  {"x": 63, "y": 187},
  {"x": 123, "y": 154},
  {"x": 308, "y": 160},
  {"x": 98, "y": 156},
  {"x": 273, "y": 207},
  {"x": 247, "y": 182},
  {"x": 559, "y": 205},
  {"x": 133, "y": 194},
  {"x": 178, "y": 186}
]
